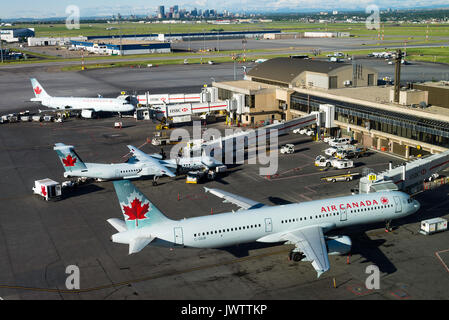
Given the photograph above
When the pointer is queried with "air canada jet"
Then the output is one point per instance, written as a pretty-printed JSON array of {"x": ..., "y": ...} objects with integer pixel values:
[
  {"x": 302, "y": 224},
  {"x": 180, "y": 164},
  {"x": 139, "y": 165},
  {"x": 75, "y": 167},
  {"x": 120, "y": 104}
]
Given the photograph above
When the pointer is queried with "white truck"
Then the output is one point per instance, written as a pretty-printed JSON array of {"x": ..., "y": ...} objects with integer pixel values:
[
  {"x": 433, "y": 225},
  {"x": 47, "y": 189},
  {"x": 322, "y": 161}
]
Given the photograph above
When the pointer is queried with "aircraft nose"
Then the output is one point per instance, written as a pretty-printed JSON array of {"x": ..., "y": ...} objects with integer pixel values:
[{"x": 417, "y": 205}]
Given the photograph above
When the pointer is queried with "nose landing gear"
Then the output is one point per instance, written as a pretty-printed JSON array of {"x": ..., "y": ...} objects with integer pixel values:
[
  {"x": 388, "y": 227},
  {"x": 295, "y": 256}
]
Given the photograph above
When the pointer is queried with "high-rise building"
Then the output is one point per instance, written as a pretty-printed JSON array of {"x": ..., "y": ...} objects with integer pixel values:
[
  {"x": 161, "y": 12},
  {"x": 176, "y": 8}
]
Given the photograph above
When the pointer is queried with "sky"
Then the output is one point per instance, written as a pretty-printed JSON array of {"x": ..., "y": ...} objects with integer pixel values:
[{"x": 53, "y": 8}]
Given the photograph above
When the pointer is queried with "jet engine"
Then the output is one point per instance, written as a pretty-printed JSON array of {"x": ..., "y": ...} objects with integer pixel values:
[{"x": 338, "y": 245}]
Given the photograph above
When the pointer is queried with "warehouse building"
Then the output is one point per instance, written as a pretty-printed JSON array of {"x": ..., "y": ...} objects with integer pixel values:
[
  {"x": 16, "y": 35},
  {"x": 279, "y": 90},
  {"x": 122, "y": 46},
  {"x": 191, "y": 36},
  {"x": 50, "y": 41}
]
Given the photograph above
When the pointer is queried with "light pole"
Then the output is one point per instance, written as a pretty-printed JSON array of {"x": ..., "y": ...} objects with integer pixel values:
[
  {"x": 204, "y": 41},
  {"x": 1, "y": 49},
  {"x": 218, "y": 40}
]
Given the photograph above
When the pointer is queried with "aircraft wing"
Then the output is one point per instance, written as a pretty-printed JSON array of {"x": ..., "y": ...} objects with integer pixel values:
[
  {"x": 242, "y": 202},
  {"x": 156, "y": 163},
  {"x": 310, "y": 241},
  {"x": 140, "y": 155}
]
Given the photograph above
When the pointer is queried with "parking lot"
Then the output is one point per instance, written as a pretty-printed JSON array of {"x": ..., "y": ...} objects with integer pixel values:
[{"x": 39, "y": 239}]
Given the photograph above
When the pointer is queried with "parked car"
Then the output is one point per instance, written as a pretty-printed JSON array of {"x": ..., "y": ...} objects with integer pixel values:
[
  {"x": 340, "y": 142},
  {"x": 328, "y": 139},
  {"x": 310, "y": 132},
  {"x": 351, "y": 153},
  {"x": 288, "y": 149},
  {"x": 322, "y": 161}
]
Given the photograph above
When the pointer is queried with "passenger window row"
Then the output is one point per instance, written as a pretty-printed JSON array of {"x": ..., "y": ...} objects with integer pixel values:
[
  {"x": 311, "y": 217},
  {"x": 206, "y": 233},
  {"x": 372, "y": 208},
  {"x": 127, "y": 171}
]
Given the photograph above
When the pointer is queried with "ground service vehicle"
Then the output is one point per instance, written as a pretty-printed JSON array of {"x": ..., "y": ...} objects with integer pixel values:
[{"x": 341, "y": 177}]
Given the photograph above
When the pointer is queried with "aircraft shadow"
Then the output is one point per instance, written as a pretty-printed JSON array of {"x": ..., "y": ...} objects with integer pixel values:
[
  {"x": 301, "y": 150},
  {"x": 242, "y": 250},
  {"x": 369, "y": 249},
  {"x": 81, "y": 190},
  {"x": 278, "y": 201}
]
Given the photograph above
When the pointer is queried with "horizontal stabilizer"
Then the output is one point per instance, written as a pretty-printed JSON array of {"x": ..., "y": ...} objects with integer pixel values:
[
  {"x": 138, "y": 244},
  {"x": 118, "y": 224}
]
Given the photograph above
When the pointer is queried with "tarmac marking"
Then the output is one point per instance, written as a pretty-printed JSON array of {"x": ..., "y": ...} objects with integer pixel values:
[
  {"x": 441, "y": 260},
  {"x": 125, "y": 283}
]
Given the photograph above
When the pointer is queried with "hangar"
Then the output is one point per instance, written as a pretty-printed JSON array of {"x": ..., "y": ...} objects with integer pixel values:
[
  {"x": 16, "y": 35},
  {"x": 122, "y": 47}
]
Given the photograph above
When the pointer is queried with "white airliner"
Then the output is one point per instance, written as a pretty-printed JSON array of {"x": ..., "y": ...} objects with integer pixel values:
[
  {"x": 120, "y": 104},
  {"x": 302, "y": 224},
  {"x": 140, "y": 165}
]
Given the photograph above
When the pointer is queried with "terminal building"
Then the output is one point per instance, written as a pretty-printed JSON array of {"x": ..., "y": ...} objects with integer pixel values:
[
  {"x": 122, "y": 46},
  {"x": 286, "y": 88}
]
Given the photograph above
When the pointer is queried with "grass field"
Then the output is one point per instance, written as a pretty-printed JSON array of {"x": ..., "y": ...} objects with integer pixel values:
[
  {"x": 395, "y": 34},
  {"x": 403, "y": 31}
]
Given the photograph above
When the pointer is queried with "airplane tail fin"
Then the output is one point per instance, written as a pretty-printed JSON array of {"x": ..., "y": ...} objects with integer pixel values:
[
  {"x": 137, "y": 209},
  {"x": 69, "y": 158},
  {"x": 39, "y": 91}
]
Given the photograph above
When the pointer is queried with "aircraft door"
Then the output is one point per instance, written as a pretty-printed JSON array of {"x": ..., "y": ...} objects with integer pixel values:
[
  {"x": 343, "y": 214},
  {"x": 398, "y": 206},
  {"x": 268, "y": 225},
  {"x": 179, "y": 238}
]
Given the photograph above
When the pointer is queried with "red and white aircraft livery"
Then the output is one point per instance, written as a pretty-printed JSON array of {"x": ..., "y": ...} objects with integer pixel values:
[
  {"x": 120, "y": 104},
  {"x": 302, "y": 224}
]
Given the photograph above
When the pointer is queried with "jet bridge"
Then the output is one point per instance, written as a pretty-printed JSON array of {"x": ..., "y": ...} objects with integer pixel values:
[
  {"x": 408, "y": 177},
  {"x": 247, "y": 136},
  {"x": 207, "y": 94}
]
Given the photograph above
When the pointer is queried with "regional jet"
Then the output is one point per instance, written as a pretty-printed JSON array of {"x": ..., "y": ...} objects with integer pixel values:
[
  {"x": 75, "y": 167},
  {"x": 180, "y": 164},
  {"x": 302, "y": 224},
  {"x": 100, "y": 104},
  {"x": 139, "y": 165}
]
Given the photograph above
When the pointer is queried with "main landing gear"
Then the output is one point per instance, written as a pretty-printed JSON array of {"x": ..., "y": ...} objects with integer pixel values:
[
  {"x": 388, "y": 227},
  {"x": 295, "y": 256},
  {"x": 155, "y": 180}
]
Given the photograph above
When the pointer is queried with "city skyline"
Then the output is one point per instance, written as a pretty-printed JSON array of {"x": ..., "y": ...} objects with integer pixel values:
[{"x": 144, "y": 8}]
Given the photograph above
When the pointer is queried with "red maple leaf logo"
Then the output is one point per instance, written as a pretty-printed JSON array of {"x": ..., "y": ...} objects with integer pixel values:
[
  {"x": 38, "y": 90},
  {"x": 69, "y": 161},
  {"x": 384, "y": 200},
  {"x": 43, "y": 191},
  {"x": 136, "y": 211}
]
